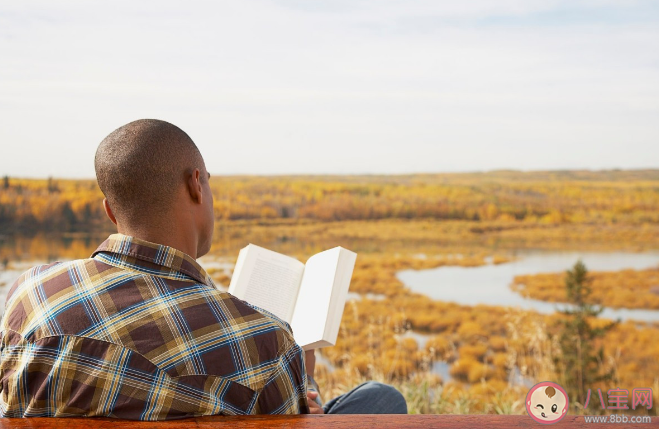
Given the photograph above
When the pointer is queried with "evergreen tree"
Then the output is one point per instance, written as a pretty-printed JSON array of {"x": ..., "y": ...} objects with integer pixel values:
[
  {"x": 581, "y": 360},
  {"x": 52, "y": 186}
]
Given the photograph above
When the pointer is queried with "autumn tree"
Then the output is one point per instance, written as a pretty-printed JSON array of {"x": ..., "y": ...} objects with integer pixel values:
[{"x": 581, "y": 362}]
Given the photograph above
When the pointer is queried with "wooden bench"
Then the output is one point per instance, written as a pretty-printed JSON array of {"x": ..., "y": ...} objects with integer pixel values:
[{"x": 317, "y": 422}]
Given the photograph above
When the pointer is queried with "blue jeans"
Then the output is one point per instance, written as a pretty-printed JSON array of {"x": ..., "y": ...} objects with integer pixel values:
[{"x": 368, "y": 398}]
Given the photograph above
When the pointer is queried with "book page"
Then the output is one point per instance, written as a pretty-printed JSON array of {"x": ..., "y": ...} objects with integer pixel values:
[
  {"x": 313, "y": 302},
  {"x": 322, "y": 298},
  {"x": 268, "y": 280},
  {"x": 342, "y": 279}
]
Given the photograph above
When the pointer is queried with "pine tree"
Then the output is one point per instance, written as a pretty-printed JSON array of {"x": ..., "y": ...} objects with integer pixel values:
[
  {"x": 581, "y": 360},
  {"x": 52, "y": 186}
]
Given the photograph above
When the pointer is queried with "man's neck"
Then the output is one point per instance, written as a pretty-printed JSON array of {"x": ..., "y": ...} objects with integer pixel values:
[{"x": 172, "y": 237}]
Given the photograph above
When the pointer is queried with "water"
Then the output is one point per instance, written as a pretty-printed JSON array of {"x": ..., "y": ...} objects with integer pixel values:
[
  {"x": 354, "y": 296},
  {"x": 8, "y": 277},
  {"x": 490, "y": 284},
  {"x": 9, "y": 274},
  {"x": 421, "y": 339}
]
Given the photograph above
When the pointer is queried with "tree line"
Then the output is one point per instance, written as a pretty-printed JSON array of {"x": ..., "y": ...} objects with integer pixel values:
[{"x": 630, "y": 197}]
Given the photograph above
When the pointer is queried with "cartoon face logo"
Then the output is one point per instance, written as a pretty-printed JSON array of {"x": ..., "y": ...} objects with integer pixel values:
[{"x": 547, "y": 402}]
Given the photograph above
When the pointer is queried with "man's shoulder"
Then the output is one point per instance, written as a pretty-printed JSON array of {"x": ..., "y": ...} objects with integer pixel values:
[
  {"x": 38, "y": 274},
  {"x": 265, "y": 320},
  {"x": 264, "y": 313},
  {"x": 40, "y": 283}
]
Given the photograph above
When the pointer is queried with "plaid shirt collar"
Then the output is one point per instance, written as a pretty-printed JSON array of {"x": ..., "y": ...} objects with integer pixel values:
[{"x": 141, "y": 255}]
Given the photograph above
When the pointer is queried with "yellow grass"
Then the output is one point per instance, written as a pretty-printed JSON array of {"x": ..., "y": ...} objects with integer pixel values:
[
  {"x": 482, "y": 345},
  {"x": 625, "y": 288}
]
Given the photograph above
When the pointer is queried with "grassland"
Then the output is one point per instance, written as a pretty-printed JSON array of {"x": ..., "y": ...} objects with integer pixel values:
[{"x": 489, "y": 352}]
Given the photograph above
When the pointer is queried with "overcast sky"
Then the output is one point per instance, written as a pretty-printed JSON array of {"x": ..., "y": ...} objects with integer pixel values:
[{"x": 349, "y": 86}]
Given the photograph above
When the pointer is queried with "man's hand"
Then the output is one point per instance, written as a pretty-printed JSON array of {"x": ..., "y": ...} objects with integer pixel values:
[
  {"x": 314, "y": 408},
  {"x": 310, "y": 366}
]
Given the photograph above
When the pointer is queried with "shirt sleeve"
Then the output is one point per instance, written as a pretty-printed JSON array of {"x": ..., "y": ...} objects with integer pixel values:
[{"x": 285, "y": 392}]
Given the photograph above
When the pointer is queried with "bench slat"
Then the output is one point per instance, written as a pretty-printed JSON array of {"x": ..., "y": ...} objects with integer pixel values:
[{"x": 307, "y": 421}]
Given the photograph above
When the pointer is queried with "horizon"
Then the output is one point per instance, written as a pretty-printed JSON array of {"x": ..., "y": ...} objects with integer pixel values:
[{"x": 421, "y": 173}]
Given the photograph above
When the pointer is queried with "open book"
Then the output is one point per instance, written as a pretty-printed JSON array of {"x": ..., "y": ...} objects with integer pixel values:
[{"x": 309, "y": 297}]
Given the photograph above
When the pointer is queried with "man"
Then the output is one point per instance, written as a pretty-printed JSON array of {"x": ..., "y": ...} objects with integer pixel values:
[{"x": 139, "y": 331}]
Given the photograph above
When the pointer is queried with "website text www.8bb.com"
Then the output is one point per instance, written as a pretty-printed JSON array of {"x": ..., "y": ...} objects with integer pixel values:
[{"x": 617, "y": 418}]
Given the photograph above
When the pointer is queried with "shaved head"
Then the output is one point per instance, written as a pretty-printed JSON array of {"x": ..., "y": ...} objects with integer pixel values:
[{"x": 141, "y": 166}]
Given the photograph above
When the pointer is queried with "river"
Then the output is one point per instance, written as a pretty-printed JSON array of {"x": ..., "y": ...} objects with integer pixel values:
[{"x": 490, "y": 284}]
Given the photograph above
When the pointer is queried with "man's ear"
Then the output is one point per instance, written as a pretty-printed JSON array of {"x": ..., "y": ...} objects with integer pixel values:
[
  {"x": 194, "y": 186},
  {"x": 108, "y": 211}
]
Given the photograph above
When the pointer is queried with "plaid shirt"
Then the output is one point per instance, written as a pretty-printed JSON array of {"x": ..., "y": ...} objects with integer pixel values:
[{"x": 139, "y": 331}]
